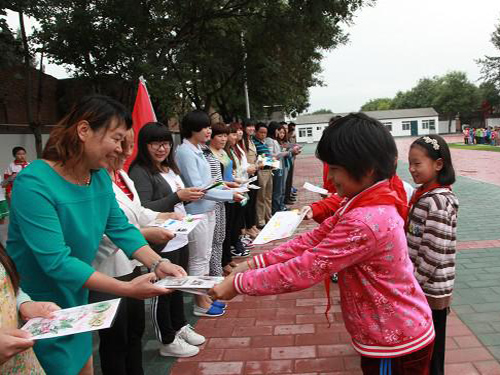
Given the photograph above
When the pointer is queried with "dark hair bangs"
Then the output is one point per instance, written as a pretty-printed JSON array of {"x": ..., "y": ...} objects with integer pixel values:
[{"x": 359, "y": 144}]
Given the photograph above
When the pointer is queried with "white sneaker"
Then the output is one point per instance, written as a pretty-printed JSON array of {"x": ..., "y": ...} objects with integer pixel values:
[
  {"x": 178, "y": 348},
  {"x": 188, "y": 334}
]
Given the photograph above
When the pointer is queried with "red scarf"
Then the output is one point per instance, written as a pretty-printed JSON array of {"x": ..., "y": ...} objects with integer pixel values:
[
  {"x": 388, "y": 192},
  {"x": 417, "y": 194}
]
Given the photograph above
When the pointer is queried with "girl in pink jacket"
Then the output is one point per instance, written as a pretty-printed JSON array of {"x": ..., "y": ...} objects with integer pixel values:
[{"x": 383, "y": 306}]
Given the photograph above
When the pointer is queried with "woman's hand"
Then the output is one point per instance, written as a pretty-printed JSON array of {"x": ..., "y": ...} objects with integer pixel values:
[
  {"x": 237, "y": 197},
  {"x": 308, "y": 212},
  {"x": 190, "y": 194},
  {"x": 251, "y": 169},
  {"x": 142, "y": 287},
  {"x": 224, "y": 291},
  {"x": 232, "y": 184},
  {"x": 12, "y": 342},
  {"x": 32, "y": 309},
  {"x": 157, "y": 235},
  {"x": 170, "y": 215},
  {"x": 165, "y": 269}
]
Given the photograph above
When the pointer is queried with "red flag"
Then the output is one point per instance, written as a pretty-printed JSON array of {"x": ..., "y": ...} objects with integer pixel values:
[{"x": 142, "y": 114}]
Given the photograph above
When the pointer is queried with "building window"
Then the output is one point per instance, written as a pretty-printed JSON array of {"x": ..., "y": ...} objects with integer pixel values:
[
  {"x": 432, "y": 124},
  {"x": 319, "y": 128},
  {"x": 302, "y": 133},
  {"x": 388, "y": 125},
  {"x": 425, "y": 124},
  {"x": 309, "y": 132},
  {"x": 406, "y": 125}
]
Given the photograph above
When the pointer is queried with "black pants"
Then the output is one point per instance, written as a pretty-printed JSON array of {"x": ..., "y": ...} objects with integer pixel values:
[
  {"x": 120, "y": 347},
  {"x": 234, "y": 225},
  {"x": 250, "y": 210},
  {"x": 167, "y": 311},
  {"x": 289, "y": 182},
  {"x": 437, "y": 361}
]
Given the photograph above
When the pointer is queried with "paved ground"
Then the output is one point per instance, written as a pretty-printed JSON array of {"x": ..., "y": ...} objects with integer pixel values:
[{"x": 288, "y": 334}]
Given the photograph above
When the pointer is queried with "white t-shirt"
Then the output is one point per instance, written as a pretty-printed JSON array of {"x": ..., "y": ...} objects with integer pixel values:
[{"x": 175, "y": 183}]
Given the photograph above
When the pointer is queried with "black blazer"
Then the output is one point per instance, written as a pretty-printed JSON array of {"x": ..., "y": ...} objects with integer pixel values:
[{"x": 155, "y": 193}]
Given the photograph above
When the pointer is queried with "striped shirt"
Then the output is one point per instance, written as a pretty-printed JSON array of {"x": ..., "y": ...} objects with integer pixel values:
[
  {"x": 215, "y": 164},
  {"x": 432, "y": 235},
  {"x": 262, "y": 148}
]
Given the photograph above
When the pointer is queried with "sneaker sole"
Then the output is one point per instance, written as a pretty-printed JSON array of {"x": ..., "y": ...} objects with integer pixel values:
[
  {"x": 199, "y": 313},
  {"x": 179, "y": 355}
]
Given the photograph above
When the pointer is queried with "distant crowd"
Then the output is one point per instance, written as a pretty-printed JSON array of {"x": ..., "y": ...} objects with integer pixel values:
[{"x": 482, "y": 136}]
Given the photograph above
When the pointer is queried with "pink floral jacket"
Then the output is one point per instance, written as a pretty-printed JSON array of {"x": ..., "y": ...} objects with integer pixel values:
[{"x": 383, "y": 306}]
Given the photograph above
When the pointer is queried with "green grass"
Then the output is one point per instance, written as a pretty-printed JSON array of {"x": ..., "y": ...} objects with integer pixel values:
[{"x": 475, "y": 147}]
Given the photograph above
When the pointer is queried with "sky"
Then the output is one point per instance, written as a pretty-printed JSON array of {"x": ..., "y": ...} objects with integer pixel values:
[
  {"x": 392, "y": 45},
  {"x": 395, "y": 43}
]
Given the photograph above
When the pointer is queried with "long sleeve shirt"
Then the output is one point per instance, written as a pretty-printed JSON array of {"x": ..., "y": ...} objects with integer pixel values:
[
  {"x": 383, "y": 307},
  {"x": 432, "y": 240}
]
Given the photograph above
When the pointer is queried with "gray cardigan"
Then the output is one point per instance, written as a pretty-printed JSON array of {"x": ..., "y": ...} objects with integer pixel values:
[{"x": 155, "y": 193}]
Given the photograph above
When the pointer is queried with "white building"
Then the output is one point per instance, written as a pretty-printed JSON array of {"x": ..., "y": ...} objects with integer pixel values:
[{"x": 400, "y": 122}]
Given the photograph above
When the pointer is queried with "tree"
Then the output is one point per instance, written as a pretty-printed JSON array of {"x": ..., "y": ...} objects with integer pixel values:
[
  {"x": 455, "y": 95},
  {"x": 379, "y": 104},
  {"x": 192, "y": 52},
  {"x": 9, "y": 45},
  {"x": 489, "y": 96},
  {"x": 490, "y": 65},
  {"x": 420, "y": 96},
  {"x": 322, "y": 111}
]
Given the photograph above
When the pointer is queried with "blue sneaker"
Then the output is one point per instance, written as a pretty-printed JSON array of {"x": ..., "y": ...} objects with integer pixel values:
[
  {"x": 220, "y": 304},
  {"x": 211, "y": 312}
]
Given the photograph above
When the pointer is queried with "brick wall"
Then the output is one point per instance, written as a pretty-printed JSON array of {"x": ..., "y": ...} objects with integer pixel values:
[{"x": 13, "y": 97}]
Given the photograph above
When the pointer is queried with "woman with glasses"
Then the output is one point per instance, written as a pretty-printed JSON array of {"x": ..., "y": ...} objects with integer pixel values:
[{"x": 160, "y": 188}]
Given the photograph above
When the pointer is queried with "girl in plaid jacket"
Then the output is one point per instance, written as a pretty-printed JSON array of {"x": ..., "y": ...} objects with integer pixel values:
[{"x": 431, "y": 232}]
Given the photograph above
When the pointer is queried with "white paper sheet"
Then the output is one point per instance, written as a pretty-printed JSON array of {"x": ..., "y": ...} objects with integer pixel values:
[
  {"x": 78, "y": 319},
  {"x": 283, "y": 224},
  {"x": 315, "y": 189},
  {"x": 184, "y": 226}
]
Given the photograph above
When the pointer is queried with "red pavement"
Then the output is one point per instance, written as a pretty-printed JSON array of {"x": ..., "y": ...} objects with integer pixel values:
[{"x": 289, "y": 334}]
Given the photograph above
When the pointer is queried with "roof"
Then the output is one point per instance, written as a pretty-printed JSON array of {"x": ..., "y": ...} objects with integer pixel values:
[{"x": 379, "y": 115}]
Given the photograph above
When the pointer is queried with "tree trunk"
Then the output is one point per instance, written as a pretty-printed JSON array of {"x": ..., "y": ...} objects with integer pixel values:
[{"x": 35, "y": 128}]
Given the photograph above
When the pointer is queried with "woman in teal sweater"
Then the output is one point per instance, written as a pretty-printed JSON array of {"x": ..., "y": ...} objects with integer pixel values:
[{"x": 61, "y": 207}]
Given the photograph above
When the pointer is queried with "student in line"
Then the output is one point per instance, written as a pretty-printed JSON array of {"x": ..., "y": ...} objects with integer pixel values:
[{"x": 383, "y": 306}]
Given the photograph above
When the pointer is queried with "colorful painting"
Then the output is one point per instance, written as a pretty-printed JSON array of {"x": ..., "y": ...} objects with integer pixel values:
[{"x": 79, "y": 319}]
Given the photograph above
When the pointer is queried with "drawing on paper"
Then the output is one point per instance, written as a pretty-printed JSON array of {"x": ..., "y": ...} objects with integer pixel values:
[{"x": 74, "y": 320}]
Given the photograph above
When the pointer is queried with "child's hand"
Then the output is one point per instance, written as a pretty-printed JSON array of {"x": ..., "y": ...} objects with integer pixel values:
[
  {"x": 224, "y": 291},
  {"x": 32, "y": 309},
  {"x": 13, "y": 341},
  {"x": 307, "y": 212}
]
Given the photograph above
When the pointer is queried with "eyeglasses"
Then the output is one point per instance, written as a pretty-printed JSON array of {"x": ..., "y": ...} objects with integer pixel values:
[{"x": 157, "y": 145}]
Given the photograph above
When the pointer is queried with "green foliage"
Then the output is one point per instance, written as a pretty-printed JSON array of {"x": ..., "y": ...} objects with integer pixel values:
[
  {"x": 379, "y": 104},
  {"x": 450, "y": 94},
  {"x": 456, "y": 94},
  {"x": 197, "y": 53},
  {"x": 322, "y": 111},
  {"x": 489, "y": 94},
  {"x": 490, "y": 65},
  {"x": 9, "y": 45}
]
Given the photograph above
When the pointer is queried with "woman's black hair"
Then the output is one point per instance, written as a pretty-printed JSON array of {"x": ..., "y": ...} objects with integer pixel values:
[
  {"x": 272, "y": 128},
  {"x": 446, "y": 175},
  {"x": 194, "y": 122},
  {"x": 16, "y": 149},
  {"x": 218, "y": 129},
  {"x": 359, "y": 144},
  {"x": 154, "y": 132}
]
